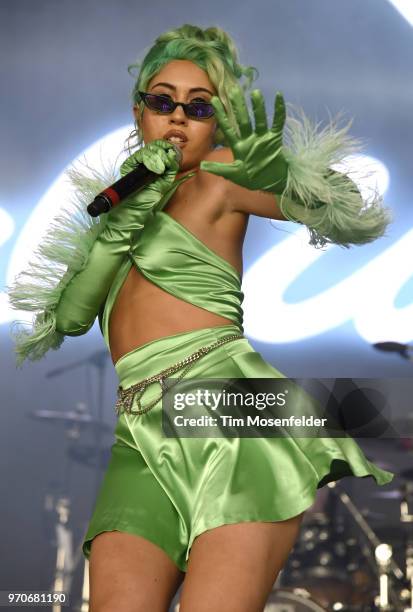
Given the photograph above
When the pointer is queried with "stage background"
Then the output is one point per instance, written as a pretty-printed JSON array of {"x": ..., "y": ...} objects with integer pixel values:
[{"x": 65, "y": 85}]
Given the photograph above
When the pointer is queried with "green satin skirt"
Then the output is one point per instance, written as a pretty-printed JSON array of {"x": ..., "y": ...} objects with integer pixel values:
[{"x": 170, "y": 490}]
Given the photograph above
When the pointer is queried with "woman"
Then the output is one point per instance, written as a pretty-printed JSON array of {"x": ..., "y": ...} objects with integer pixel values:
[{"x": 163, "y": 271}]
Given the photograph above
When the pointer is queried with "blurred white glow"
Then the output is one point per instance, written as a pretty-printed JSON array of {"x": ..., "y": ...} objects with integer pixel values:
[
  {"x": 57, "y": 196},
  {"x": 405, "y": 8},
  {"x": 6, "y": 226},
  {"x": 376, "y": 318},
  {"x": 370, "y": 174},
  {"x": 366, "y": 297}
]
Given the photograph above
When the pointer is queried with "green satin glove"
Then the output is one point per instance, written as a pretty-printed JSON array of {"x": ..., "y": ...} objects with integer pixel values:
[
  {"x": 123, "y": 220},
  {"x": 87, "y": 290},
  {"x": 259, "y": 161},
  {"x": 311, "y": 192},
  {"x": 90, "y": 251}
]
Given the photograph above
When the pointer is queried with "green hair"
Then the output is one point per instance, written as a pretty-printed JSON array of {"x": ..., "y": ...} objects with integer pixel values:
[{"x": 212, "y": 49}]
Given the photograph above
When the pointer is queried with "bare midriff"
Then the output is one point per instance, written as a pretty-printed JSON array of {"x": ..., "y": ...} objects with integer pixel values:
[{"x": 144, "y": 312}]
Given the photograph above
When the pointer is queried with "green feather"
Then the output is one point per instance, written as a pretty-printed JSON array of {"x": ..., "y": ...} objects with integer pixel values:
[
  {"x": 61, "y": 254},
  {"x": 326, "y": 201}
]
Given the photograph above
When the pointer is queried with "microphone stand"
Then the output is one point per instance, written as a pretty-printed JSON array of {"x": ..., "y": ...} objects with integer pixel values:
[
  {"x": 66, "y": 563},
  {"x": 97, "y": 359}
]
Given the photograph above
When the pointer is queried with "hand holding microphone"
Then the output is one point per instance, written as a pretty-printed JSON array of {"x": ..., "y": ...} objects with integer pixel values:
[
  {"x": 156, "y": 161},
  {"x": 128, "y": 214},
  {"x": 93, "y": 253},
  {"x": 88, "y": 289}
]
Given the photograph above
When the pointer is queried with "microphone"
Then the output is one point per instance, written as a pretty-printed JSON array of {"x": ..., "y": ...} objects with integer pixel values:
[{"x": 134, "y": 180}]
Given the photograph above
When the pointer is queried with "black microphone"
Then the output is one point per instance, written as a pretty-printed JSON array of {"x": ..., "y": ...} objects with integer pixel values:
[{"x": 134, "y": 180}]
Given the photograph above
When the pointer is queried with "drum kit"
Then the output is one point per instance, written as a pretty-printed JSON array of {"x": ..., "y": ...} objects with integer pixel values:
[{"x": 342, "y": 560}]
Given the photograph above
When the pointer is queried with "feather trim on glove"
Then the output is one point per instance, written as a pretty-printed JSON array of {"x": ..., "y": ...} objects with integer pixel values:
[
  {"x": 62, "y": 253},
  {"x": 326, "y": 201}
]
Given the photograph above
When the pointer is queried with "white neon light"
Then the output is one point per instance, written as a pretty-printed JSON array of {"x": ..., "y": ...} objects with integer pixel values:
[
  {"x": 6, "y": 226},
  {"x": 58, "y": 195},
  {"x": 369, "y": 173},
  {"x": 405, "y": 8},
  {"x": 366, "y": 297}
]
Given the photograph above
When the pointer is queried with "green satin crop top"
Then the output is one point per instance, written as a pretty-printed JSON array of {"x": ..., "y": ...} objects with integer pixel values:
[{"x": 175, "y": 260}]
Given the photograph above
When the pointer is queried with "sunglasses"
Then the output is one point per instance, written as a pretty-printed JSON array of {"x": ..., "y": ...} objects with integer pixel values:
[{"x": 165, "y": 105}]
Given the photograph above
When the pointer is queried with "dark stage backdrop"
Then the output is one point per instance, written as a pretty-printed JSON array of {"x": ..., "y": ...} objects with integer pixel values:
[{"x": 65, "y": 86}]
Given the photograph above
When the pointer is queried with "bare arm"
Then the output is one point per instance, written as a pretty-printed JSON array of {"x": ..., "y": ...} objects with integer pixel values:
[{"x": 237, "y": 198}]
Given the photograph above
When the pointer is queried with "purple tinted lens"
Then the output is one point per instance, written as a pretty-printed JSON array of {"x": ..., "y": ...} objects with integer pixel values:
[
  {"x": 160, "y": 103},
  {"x": 200, "y": 110}
]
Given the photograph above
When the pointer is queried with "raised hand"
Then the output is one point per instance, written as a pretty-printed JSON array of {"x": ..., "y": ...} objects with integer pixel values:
[{"x": 259, "y": 161}]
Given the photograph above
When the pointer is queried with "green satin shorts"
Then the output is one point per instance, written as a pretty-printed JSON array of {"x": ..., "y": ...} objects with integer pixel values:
[{"x": 170, "y": 490}]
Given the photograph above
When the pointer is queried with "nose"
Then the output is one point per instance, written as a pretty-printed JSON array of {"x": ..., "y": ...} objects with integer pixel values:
[{"x": 178, "y": 116}]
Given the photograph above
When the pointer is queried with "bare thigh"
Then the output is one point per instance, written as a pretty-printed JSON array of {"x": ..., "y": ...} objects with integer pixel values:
[
  {"x": 130, "y": 574},
  {"x": 233, "y": 568}
]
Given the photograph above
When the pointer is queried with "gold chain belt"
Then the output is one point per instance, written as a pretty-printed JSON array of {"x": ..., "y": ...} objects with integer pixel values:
[{"x": 126, "y": 397}]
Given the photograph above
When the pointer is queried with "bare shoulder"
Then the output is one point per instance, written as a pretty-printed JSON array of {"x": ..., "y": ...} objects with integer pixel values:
[{"x": 234, "y": 197}]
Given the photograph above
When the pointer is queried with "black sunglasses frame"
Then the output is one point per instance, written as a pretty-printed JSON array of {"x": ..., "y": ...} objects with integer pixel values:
[{"x": 186, "y": 107}]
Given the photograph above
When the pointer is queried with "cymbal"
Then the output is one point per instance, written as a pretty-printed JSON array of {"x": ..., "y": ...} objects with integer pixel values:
[{"x": 71, "y": 416}]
